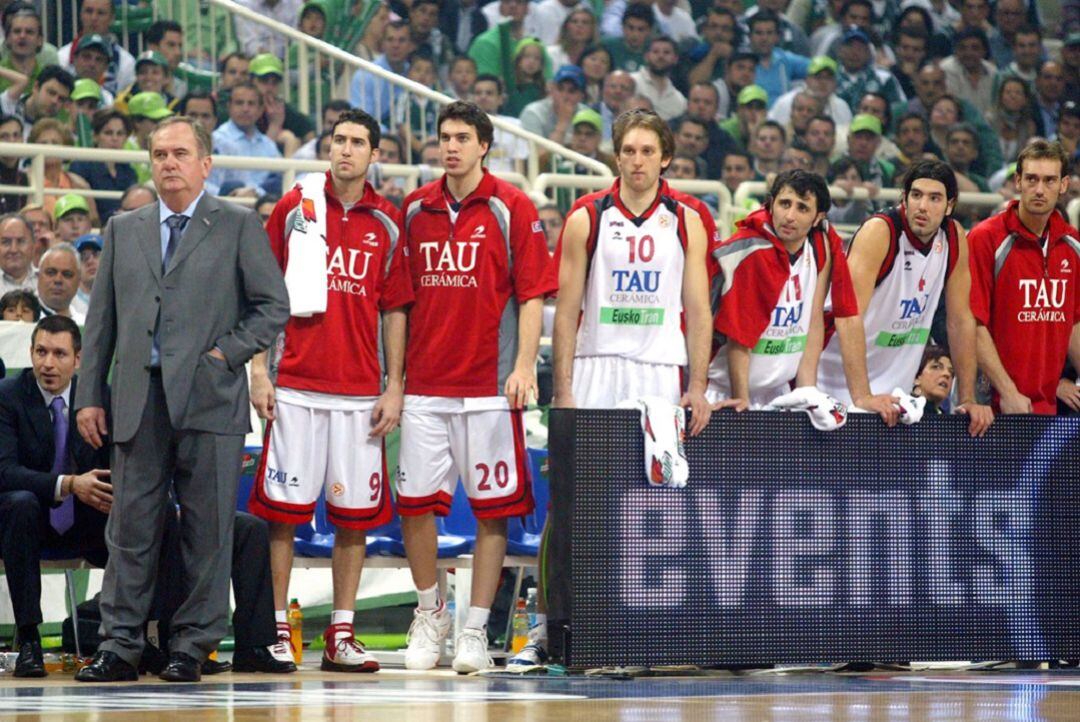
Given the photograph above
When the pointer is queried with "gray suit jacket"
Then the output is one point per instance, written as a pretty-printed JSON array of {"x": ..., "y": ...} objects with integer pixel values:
[{"x": 223, "y": 288}]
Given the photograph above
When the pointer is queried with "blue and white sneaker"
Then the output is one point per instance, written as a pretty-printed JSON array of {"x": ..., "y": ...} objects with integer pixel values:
[{"x": 534, "y": 653}]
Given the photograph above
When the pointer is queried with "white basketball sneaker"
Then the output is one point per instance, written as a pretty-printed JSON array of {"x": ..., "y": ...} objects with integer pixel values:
[
  {"x": 344, "y": 653},
  {"x": 426, "y": 633},
  {"x": 472, "y": 651}
]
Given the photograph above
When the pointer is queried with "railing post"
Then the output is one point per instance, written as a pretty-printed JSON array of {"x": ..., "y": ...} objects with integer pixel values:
[
  {"x": 37, "y": 178},
  {"x": 304, "y": 86}
]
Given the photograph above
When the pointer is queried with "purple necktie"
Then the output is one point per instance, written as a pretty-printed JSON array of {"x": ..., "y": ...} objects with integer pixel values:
[{"x": 63, "y": 516}]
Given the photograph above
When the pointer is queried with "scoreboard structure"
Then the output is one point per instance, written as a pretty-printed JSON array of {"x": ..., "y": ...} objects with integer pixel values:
[{"x": 791, "y": 545}]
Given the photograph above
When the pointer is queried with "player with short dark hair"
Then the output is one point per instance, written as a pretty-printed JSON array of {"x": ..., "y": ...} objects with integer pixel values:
[
  {"x": 1024, "y": 263},
  {"x": 901, "y": 262},
  {"x": 479, "y": 264},
  {"x": 329, "y": 414},
  {"x": 775, "y": 274}
]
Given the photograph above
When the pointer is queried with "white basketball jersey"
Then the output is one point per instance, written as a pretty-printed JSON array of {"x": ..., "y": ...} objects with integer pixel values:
[
  {"x": 900, "y": 313},
  {"x": 632, "y": 306},
  {"x": 774, "y": 360}
]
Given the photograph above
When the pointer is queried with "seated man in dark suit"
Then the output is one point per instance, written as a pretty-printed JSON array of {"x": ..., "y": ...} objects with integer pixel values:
[
  {"x": 54, "y": 489},
  {"x": 56, "y": 497}
]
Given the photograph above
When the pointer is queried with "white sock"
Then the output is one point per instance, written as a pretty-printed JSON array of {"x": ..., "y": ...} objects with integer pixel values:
[
  {"x": 477, "y": 618},
  {"x": 281, "y": 616},
  {"x": 341, "y": 616},
  {"x": 429, "y": 598},
  {"x": 540, "y": 626}
]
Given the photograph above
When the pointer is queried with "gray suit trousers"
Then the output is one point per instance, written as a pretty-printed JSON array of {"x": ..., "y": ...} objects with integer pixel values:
[{"x": 204, "y": 468}]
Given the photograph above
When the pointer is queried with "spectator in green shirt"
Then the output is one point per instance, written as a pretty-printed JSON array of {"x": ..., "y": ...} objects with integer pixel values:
[
  {"x": 628, "y": 52},
  {"x": 23, "y": 42},
  {"x": 751, "y": 111},
  {"x": 529, "y": 82},
  {"x": 283, "y": 123},
  {"x": 493, "y": 49}
]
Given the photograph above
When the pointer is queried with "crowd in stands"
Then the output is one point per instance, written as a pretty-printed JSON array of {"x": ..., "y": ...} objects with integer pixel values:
[{"x": 853, "y": 90}]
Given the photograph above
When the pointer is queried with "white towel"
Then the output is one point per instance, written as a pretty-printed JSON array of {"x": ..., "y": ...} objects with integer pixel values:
[
  {"x": 305, "y": 274},
  {"x": 664, "y": 427},
  {"x": 826, "y": 413},
  {"x": 911, "y": 407}
]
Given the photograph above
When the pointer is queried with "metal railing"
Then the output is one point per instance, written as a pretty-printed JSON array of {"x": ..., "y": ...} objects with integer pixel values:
[
  {"x": 545, "y": 183},
  {"x": 412, "y": 176}
]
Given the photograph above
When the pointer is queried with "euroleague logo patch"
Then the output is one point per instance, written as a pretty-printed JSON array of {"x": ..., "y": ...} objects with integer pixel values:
[{"x": 337, "y": 490}]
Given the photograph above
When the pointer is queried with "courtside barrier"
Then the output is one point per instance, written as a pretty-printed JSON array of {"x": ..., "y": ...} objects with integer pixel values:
[{"x": 791, "y": 545}]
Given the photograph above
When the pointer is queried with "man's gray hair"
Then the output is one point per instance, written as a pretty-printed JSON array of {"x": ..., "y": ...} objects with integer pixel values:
[
  {"x": 21, "y": 218},
  {"x": 202, "y": 138},
  {"x": 63, "y": 247}
]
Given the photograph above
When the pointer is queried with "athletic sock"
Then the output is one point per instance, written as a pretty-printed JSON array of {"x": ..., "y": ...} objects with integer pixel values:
[
  {"x": 341, "y": 616},
  {"x": 477, "y": 618},
  {"x": 429, "y": 598},
  {"x": 281, "y": 616}
]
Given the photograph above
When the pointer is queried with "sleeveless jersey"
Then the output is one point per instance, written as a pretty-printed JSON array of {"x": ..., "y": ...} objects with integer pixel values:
[
  {"x": 632, "y": 306},
  {"x": 901, "y": 310},
  {"x": 774, "y": 359}
]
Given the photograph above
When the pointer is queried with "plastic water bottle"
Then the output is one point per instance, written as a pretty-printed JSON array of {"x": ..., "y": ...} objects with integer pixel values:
[
  {"x": 530, "y": 606},
  {"x": 296, "y": 630},
  {"x": 521, "y": 627}
]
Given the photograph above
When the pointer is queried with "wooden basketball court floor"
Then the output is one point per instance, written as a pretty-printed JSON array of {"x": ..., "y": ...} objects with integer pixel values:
[{"x": 400, "y": 696}]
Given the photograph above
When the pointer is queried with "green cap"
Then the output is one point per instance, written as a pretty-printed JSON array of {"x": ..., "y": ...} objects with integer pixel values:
[
  {"x": 865, "y": 121},
  {"x": 266, "y": 64},
  {"x": 751, "y": 93},
  {"x": 86, "y": 88},
  {"x": 590, "y": 116},
  {"x": 526, "y": 42},
  {"x": 822, "y": 62},
  {"x": 148, "y": 105},
  {"x": 67, "y": 203},
  {"x": 320, "y": 5},
  {"x": 152, "y": 56},
  {"x": 94, "y": 40}
]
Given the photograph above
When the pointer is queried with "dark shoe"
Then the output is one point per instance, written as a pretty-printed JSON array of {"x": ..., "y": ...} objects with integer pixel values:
[
  {"x": 259, "y": 659},
  {"x": 30, "y": 662},
  {"x": 107, "y": 667},
  {"x": 153, "y": 660},
  {"x": 213, "y": 666},
  {"x": 181, "y": 668}
]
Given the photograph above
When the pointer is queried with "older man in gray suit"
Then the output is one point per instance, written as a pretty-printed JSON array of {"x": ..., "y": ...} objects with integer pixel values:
[{"x": 187, "y": 291}]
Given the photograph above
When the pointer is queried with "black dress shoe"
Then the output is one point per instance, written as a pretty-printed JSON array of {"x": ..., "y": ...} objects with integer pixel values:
[
  {"x": 181, "y": 668},
  {"x": 107, "y": 667},
  {"x": 213, "y": 666},
  {"x": 30, "y": 662},
  {"x": 259, "y": 659}
]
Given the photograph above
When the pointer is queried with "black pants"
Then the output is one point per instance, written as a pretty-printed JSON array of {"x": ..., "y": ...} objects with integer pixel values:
[
  {"x": 25, "y": 534},
  {"x": 253, "y": 618}
]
